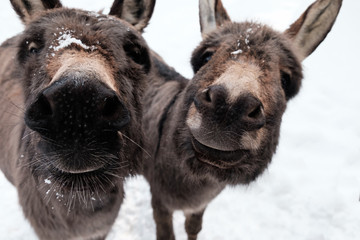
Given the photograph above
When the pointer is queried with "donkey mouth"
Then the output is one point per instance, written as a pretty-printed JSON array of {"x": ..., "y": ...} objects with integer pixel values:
[
  {"x": 218, "y": 158},
  {"x": 75, "y": 159},
  {"x": 83, "y": 180},
  {"x": 78, "y": 171},
  {"x": 78, "y": 165},
  {"x": 68, "y": 173}
]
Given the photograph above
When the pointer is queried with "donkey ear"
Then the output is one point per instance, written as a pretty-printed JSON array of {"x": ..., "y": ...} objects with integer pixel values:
[
  {"x": 212, "y": 15},
  {"x": 312, "y": 27},
  {"x": 136, "y": 12},
  {"x": 26, "y": 9}
]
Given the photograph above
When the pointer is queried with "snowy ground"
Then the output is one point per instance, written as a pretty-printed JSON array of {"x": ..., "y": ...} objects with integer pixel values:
[{"x": 310, "y": 191}]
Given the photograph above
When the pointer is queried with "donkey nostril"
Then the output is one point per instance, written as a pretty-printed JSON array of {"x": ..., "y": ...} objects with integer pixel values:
[
  {"x": 207, "y": 96},
  {"x": 211, "y": 98},
  {"x": 39, "y": 114},
  {"x": 111, "y": 108},
  {"x": 114, "y": 113},
  {"x": 44, "y": 106},
  {"x": 250, "y": 113},
  {"x": 256, "y": 112}
]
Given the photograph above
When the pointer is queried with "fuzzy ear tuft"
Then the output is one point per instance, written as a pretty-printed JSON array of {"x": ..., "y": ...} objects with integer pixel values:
[
  {"x": 137, "y": 13},
  {"x": 212, "y": 15},
  {"x": 26, "y": 9},
  {"x": 313, "y": 26}
]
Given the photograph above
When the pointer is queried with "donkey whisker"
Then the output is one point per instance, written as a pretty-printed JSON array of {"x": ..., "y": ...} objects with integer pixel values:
[{"x": 136, "y": 144}]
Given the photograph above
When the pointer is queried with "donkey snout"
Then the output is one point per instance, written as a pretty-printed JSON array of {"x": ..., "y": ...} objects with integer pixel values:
[
  {"x": 76, "y": 106},
  {"x": 246, "y": 112}
]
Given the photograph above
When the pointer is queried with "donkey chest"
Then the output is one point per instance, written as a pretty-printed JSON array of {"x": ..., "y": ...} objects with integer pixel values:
[{"x": 190, "y": 195}]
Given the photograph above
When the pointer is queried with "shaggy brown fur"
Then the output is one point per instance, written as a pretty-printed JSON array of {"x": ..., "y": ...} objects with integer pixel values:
[
  {"x": 222, "y": 127},
  {"x": 70, "y": 102}
]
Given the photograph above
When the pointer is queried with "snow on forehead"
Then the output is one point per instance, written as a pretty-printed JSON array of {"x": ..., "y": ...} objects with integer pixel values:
[
  {"x": 238, "y": 43},
  {"x": 65, "y": 36},
  {"x": 66, "y": 39}
]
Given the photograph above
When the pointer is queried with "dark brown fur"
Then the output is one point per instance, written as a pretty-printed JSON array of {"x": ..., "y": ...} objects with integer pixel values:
[
  {"x": 69, "y": 172},
  {"x": 194, "y": 158}
]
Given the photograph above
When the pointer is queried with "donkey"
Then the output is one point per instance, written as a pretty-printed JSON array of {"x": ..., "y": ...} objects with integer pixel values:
[
  {"x": 222, "y": 127},
  {"x": 70, "y": 100}
]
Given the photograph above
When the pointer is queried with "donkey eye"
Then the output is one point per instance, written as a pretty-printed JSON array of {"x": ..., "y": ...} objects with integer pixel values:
[
  {"x": 201, "y": 57},
  {"x": 138, "y": 54},
  {"x": 33, "y": 48},
  {"x": 286, "y": 83},
  {"x": 206, "y": 57}
]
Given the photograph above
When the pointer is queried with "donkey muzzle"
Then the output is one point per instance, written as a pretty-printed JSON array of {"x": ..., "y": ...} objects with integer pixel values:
[{"x": 72, "y": 105}]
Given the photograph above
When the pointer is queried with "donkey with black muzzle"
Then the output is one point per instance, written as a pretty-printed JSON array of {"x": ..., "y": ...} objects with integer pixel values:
[
  {"x": 222, "y": 127},
  {"x": 70, "y": 99}
]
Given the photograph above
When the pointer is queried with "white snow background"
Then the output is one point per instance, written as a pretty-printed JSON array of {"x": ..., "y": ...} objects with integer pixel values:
[{"x": 310, "y": 191}]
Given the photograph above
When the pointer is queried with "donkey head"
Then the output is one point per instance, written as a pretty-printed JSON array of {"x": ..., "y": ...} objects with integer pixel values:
[
  {"x": 83, "y": 75},
  {"x": 245, "y": 74}
]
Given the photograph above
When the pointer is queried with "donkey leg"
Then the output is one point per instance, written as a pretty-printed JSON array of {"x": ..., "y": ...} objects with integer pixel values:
[
  {"x": 163, "y": 221},
  {"x": 193, "y": 224}
]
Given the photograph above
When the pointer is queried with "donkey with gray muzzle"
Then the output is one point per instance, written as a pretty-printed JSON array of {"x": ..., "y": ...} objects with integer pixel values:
[
  {"x": 70, "y": 96},
  {"x": 222, "y": 127}
]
